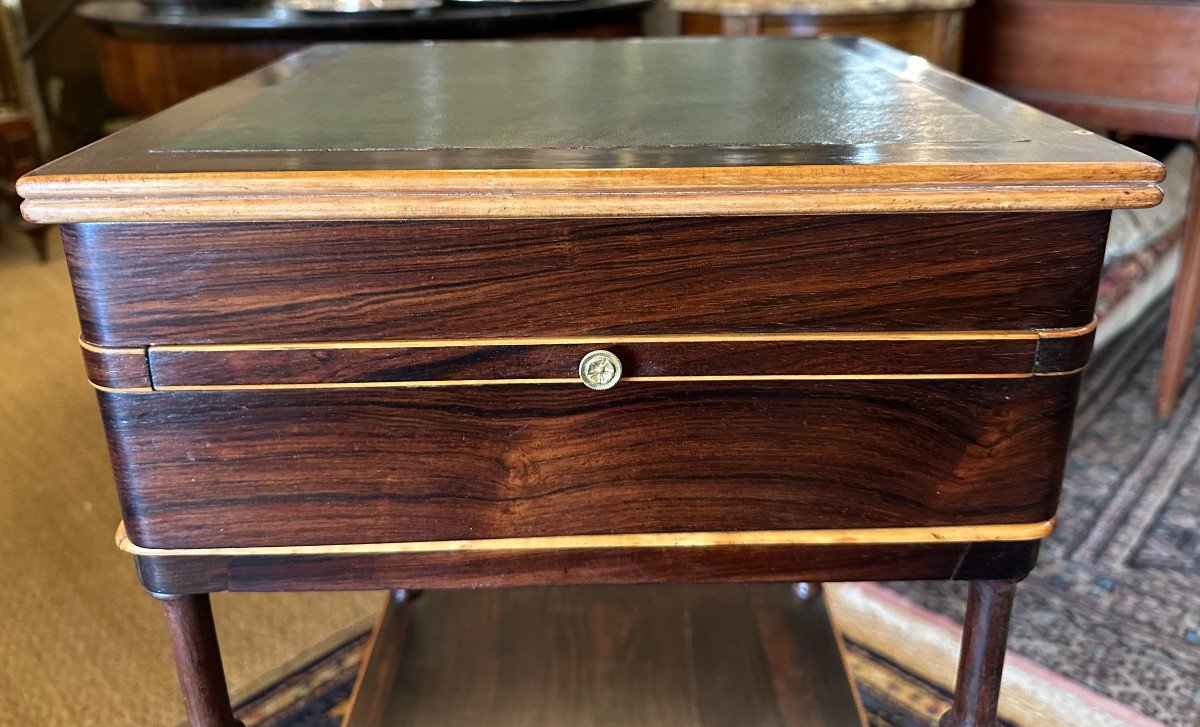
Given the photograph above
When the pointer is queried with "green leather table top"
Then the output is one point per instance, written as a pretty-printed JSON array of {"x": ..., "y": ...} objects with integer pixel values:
[{"x": 598, "y": 95}]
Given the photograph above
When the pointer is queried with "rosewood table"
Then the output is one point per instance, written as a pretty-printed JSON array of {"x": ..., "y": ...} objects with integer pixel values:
[{"x": 688, "y": 311}]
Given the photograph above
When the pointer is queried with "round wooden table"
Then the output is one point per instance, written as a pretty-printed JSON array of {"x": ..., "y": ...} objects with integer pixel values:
[{"x": 154, "y": 58}]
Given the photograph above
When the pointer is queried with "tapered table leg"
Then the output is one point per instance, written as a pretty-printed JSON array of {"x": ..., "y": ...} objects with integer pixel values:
[
  {"x": 1185, "y": 304},
  {"x": 981, "y": 662},
  {"x": 198, "y": 661}
]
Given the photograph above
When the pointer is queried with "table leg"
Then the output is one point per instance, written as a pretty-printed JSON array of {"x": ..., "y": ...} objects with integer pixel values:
[
  {"x": 198, "y": 660},
  {"x": 981, "y": 661},
  {"x": 1185, "y": 303}
]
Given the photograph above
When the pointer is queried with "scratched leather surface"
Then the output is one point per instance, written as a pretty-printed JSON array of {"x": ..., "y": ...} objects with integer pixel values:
[{"x": 606, "y": 95}]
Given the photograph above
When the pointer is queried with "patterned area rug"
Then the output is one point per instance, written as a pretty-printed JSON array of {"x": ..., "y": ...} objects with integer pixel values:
[
  {"x": 317, "y": 695},
  {"x": 1114, "y": 603}
]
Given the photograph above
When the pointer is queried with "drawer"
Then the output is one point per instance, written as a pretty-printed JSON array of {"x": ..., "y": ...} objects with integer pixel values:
[{"x": 430, "y": 280}]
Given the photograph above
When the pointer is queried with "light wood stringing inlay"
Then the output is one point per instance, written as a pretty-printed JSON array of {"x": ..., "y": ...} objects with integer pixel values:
[
  {"x": 855, "y": 536},
  {"x": 748, "y": 201},
  {"x": 1030, "y": 335}
]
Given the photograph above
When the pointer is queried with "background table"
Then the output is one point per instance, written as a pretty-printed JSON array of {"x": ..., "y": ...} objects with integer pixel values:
[
  {"x": 151, "y": 59},
  {"x": 931, "y": 29}
]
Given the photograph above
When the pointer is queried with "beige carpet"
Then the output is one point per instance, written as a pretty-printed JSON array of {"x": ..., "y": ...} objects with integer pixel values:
[{"x": 80, "y": 642}]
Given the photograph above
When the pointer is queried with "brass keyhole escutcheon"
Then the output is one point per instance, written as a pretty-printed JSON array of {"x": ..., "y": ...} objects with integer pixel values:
[{"x": 600, "y": 370}]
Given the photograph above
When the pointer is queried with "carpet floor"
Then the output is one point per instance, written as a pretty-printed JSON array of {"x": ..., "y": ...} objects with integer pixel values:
[{"x": 81, "y": 643}]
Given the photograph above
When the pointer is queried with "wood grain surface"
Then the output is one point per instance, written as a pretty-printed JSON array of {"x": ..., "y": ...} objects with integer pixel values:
[
  {"x": 127, "y": 369},
  {"x": 831, "y": 355},
  {"x": 723, "y": 564},
  {"x": 273, "y": 282},
  {"x": 388, "y": 465},
  {"x": 144, "y": 77},
  {"x": 1063, "y": 351},
  {"x": 672, "y": 655},
  {"x": 1086, "y": 61},
  {"x": 176, "y": 370}
]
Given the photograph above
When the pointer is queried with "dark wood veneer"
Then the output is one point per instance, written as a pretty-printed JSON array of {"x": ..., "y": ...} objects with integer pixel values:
[
  {"x": 471, "y": 569},
  {"x": 1087, "y": 61},
  {"x": 1065, "y": 353},
  {"x": 461, "y": 363},
  {"x": 387, "y": 465},
  {"x": 203, "y": 283},
  {"x": 691, "y": 655},
  {"x": 121, "y": 368}
]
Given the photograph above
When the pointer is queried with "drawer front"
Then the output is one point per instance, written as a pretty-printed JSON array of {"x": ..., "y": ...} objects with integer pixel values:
[
  {"x": 152, "y": 284},
  {"x": 1011, "y": 354},
  {"x": 247, "y": 467}
]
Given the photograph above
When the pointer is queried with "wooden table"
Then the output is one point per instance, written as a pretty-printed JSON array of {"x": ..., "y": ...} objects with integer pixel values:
[
  {"x": 154, "y": 57},
  {"x": 577, "y": 313},
  {"x": 1127, "y": 65},
  {"x": 932, "y": 29}
]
